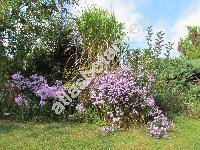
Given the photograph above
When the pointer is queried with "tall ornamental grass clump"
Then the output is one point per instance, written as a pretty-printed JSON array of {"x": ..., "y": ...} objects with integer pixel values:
[{"x": 120, "y": 99}]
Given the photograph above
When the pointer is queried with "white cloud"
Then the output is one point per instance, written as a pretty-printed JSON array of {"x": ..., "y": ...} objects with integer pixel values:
[
  {"x": 190, "y": 17},
  {"x": 136, "y": 23}
]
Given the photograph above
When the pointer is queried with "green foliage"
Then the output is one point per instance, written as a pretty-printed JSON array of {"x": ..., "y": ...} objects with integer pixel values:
[
  {"x": 190, "y": 46},
  {"x": 173, "y": 76},
  {"x": 40, "y": 38},
  {"x": 37, "y": 35},
  {"x": 174, "y": 90},
  {"x": 98, "y": 30},
  {"x": 149, "y": 60},
  {"x": 35, "y": 38}
]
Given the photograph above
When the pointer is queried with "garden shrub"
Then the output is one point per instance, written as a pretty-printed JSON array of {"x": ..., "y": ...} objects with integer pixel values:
[
  {"x": 120, "y": 99},
  {"x": 176, "y": 83},
  {"x": 173, "y": 75},
  {"x": 32, "y": 98}
]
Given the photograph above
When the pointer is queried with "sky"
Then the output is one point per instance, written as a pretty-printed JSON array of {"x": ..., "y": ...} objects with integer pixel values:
[{"x": 170, "y": 16}]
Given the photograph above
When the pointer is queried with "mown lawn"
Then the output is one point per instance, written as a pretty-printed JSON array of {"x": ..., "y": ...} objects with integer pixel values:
[{"x": 185, "y": 136}]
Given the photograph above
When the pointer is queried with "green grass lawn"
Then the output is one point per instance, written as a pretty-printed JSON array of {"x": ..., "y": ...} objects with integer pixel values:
[{"x": 186, "y": 135}]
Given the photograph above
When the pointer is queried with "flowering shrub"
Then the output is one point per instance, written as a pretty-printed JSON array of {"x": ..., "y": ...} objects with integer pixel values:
[
  {"x": 34, "y": 97},
  {"x": 37, "y": 85},
  {"x": 119, "y": 98}
]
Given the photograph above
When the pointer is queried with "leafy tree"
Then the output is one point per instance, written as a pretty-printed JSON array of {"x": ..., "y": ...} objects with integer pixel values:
[
  {"x": 190, "y": 46},
  {"x": 41, "y": 37},
  {"x": 37, "y": 34}
]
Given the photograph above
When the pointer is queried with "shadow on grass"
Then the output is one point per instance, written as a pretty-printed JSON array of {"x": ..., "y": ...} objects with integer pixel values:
[{"x": 7, "y": 127}]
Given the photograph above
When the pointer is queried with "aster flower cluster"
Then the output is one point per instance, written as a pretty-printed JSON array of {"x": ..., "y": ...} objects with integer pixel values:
[
  {"x": 158, "y": 127},
  {"x": 121, "y": 100},
  {"x": 20, "y": 100},
  {"x": 37, "y": 85}
]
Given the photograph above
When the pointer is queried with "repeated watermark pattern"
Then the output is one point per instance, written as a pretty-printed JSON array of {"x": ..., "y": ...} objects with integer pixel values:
[
  {"x": 137, "y": 27},
  {"x": 87, "y": 76}
]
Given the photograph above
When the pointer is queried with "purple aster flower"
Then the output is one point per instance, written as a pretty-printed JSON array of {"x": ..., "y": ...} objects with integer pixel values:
[
  {"x": 17, "y": 76},
  {"x": 116, "y": 119},
  {"x": 19, "y": 100},
  {"x": 150, "y": 102},
  {"x": 42, "y": 103}
]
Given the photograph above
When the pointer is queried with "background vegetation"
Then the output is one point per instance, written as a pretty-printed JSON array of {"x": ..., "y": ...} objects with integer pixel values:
[{"x": 38, "y": 37}]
